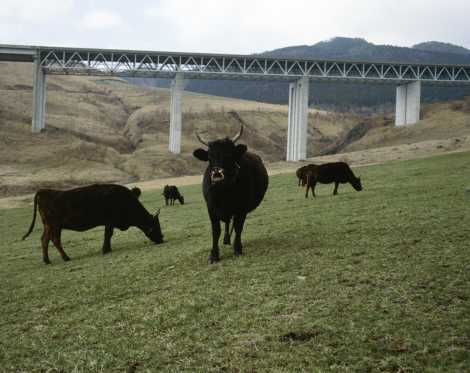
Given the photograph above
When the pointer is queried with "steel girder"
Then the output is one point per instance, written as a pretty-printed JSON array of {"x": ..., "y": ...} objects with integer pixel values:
[{"x": 206, "y": 66}]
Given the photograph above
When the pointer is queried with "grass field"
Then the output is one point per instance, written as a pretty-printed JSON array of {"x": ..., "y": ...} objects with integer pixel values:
[{"x": 362, "y": 282}]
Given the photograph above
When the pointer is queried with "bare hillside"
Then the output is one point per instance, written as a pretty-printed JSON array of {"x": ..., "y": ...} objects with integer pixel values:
[
  {"x": 102, "y": 129},
  {"x": 439, "y": 121}
]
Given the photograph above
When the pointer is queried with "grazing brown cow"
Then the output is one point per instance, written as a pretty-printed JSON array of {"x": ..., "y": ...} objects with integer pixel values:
[
  {"x": 337, "y": 172},
  {"x": 301, "y": 173},
  {"x": 80, "y": 209}
]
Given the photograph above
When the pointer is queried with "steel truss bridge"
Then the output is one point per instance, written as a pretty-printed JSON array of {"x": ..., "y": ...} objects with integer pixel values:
[{"x": 179, "y": 66}]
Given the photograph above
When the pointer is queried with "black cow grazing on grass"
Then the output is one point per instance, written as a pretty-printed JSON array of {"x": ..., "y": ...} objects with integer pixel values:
[
  {"x": 234, "y": 184},
  {"x": 80, "y": 209},
  {"x": 337, "y": 172},
  {"x": 301, "y": 173},
  {"x": 171, "y": 193}
]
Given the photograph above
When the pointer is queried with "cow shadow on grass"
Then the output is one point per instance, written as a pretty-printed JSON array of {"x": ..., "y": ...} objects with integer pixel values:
[
  {"x": 270, "y": 246},
  {"x": 118, "y": 250}
]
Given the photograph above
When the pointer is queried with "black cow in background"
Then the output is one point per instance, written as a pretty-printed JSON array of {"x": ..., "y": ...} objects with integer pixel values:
[
  {"x": 171, "y": 193},
  {"x": 80, "y": 209},
  {"x": 336, "y": 172},
  {"x": 234, "y": 184}
]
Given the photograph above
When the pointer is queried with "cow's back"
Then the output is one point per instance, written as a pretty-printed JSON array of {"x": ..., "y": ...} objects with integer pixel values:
[
  {"x": 334, "y": 172},
  {"x": 87, "y": 207},
  {"x": 174, "y": 192}
]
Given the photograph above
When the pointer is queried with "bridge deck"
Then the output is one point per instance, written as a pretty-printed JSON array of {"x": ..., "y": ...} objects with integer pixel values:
[{"x": 82, "y": 61}]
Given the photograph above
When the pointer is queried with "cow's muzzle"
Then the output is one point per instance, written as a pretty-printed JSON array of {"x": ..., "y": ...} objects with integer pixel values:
[{"x": 217, "y": 175}]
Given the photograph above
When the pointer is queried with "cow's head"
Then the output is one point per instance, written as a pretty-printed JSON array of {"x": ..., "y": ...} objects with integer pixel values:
[
  {"x": 154, "y": 231},
  {"x": 223, "y": 156},
  {"x": 356, "y": 183},
  {"x": 181, "y": 199}
]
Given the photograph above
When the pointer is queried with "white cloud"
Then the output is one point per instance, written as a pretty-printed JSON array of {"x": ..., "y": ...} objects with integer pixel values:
[
  {"x": 100, "y": 19},
  {"x": 34, "y": 11},
  {"x": 247, "y": 26}
]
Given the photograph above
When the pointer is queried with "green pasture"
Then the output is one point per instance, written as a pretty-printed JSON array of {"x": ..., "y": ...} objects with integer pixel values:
[{"x": 371, "y": 281}]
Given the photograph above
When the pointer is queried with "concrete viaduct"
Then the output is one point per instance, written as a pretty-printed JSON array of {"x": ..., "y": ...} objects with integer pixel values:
[{"x": 407, "y": 78}]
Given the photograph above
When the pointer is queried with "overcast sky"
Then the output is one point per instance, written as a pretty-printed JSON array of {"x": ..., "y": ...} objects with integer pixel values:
[{"x": 219, "y": 26}]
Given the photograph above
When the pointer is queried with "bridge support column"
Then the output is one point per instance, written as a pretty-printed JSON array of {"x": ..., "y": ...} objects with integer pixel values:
[
  {"x": 39, "y": 97},
  {"x": 297, "y": 120},
  {"x": 408, "y": 104},
  {"x": 177, "y": 86}
]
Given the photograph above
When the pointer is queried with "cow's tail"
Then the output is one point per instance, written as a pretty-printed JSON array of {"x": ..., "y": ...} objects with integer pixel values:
[
  {"x": 307, "y": 179},
  {"x": 34, "y": 216}
]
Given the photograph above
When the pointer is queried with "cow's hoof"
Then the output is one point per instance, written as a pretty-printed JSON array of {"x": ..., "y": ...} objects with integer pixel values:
[
  {"x": 226, "y": 240},
  {"x": 66, "y": 259},
  {"x": 106, "y": 251},
  {"x": 238, "y": 251},
  {"x": 213, "y": 259},
  {"x": 47, "y": 261}
]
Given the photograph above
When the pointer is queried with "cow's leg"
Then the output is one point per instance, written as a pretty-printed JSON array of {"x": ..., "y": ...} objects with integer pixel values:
[
  {"x": 227, "y": 233},
  {"x": 45, "y": 244},
  {"x": 238, "y": 221},
  {"x": 214, "y": 256},
  {"x": 335, "y": 192},
  {"x": 108, "y": 233},
  {"x": 306, "y": 191},
  {"x": 56, "y": 233},
  {"x": 314, "y": 184}
]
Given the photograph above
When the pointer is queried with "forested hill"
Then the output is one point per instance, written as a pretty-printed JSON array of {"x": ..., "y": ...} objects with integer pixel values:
[
  {"x": 435, "y": 46},
  {"x": 360, "y": 50},
  {"x": 342, "y": 95}
]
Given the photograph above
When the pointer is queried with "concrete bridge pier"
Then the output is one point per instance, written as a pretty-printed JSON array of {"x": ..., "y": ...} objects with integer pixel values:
[
  {"x": 177, "y": 86},
  {"x": 39, "y": 97},
  {"x": 408, "y": 103},
  {"x": 297, "y": 120}
]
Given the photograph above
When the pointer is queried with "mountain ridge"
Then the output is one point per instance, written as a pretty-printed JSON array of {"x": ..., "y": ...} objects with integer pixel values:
[{"x": 361, "y": 49}]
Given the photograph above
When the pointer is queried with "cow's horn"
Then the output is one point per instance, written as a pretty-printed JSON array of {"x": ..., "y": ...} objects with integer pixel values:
[
  {"x": 200, "y": 139},
  {"x": 238, "y": 135}
]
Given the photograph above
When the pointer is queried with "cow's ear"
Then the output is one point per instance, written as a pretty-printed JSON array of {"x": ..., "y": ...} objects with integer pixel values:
[
  {"x": 240, "y": 149},
  {"x": 201, "y": 154},
  {"x": 136, "y": 192}
]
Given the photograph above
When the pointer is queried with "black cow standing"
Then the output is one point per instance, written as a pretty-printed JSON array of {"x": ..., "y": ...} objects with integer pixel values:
[
  {"x": 171, "y": 193},
  {"x": 80, "y": 209},
  {"x": 336, "y": 172},
  {"x": 234, "y": 184}
]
